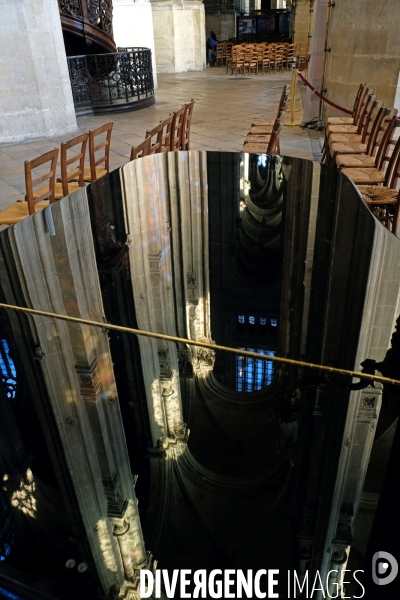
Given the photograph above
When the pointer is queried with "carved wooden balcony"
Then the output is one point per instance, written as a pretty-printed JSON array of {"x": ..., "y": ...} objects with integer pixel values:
[{"x": 90, "y": 21}]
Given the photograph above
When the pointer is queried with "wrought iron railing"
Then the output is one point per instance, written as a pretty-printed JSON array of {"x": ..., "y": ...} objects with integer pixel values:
[{"x": 111, "y": 81}]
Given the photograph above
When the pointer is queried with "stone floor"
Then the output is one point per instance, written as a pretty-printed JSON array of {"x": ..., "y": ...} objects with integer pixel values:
[{"x": 224, "y": 109}]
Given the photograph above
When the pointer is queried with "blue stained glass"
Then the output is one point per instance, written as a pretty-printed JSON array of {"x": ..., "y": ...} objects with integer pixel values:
[
  {"x": 254, "y": 374},
  {"x": 7, "y": 368}
]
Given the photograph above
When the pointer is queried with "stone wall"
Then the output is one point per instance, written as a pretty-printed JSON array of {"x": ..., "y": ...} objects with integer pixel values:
[
  {"x": 224, "y": 25},
  {"x": 133, "y": 26},
  {"x": 301, "y": 21},
  {"x": 179, "y": 36},
  {"x": 365, "y": 47},
  {"x": 35, "y": 91}
]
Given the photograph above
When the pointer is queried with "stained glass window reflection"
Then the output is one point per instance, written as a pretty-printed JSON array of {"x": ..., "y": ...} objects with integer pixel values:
[
  {"x": 7, "y": 367},
  {"x": 254, "y": 374}
]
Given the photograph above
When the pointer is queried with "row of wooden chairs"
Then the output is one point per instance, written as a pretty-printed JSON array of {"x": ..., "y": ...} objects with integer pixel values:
[
  {"x": 263, "y": 136},
  {"x": 259, "y": 59},
  {"x": 74, "y": 172},
  {"x": 265, "y": 57},
  {"x": 366, "y": 148},
  {"x": 169, "y": 135}
]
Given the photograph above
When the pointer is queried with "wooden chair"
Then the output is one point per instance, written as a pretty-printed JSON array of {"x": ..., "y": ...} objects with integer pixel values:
[
  {"x": 167, "y": 134},
  {"x": 369, "y": 159},
  {"x": 336, "y": 142},
  {"x": 162, "y": 135},
  {"x": 238, "y": 62},
  {"x": 268, "y": 144},
  {"x": 389, "y": 177},
  {"x": 384, "y": 204},
  {"x": 156, "y": 136},
  {"x": 251, "y": 61},
  {"x": 96, "y": 170},
  {"x": 71, "y": 178},
  {"x": 219, "y": 53},
  {"x": 186, "y": 125},
  {"x": 33, "y": 203},
  {"x": 177, "y": 126},
  {"x": 142, "y": 149},
  {"x": 361, "y": 92}
]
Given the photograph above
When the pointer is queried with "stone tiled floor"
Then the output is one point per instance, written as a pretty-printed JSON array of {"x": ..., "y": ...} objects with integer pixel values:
[{"x": 224, "y": 109}]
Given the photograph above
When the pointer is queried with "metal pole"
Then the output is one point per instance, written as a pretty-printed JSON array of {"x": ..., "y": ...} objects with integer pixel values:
[{"x": 172, "y": 338}]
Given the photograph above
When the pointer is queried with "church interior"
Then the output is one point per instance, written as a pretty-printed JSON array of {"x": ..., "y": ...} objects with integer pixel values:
[{"x": 195, "y": 447}]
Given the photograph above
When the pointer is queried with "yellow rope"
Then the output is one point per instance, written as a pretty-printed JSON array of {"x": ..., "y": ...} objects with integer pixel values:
[{"x": 172, "y": 338}]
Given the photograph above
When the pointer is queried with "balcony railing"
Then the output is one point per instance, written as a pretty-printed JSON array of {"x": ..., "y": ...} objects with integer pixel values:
[{"x": 110, "y": 82}]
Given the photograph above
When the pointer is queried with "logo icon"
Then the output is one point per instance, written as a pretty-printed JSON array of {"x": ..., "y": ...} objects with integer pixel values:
[{"x": 384, "y": 568}]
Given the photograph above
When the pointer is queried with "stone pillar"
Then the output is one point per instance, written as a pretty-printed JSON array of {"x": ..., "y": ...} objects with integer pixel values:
[
  {"x": 179, "y": 35},
  {"x": 133, "y": 26},
  {"x": 316, "y": 66},
  {"x": 35, "y": 91},
  {"x": 365, "y": 47},
  {"x": 301, "y": 27}
]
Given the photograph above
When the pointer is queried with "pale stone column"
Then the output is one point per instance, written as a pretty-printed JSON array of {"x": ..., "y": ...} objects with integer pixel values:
[
  {"x": 133, "y": 26},
  {"x": 179, "y": 35},
  {"x": 316, "y": 66},
  {"x": 301, "y": 27},
  {"x": 35, "y": 91}
]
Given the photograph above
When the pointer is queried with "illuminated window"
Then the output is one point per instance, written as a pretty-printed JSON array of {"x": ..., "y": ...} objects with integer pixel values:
[
  {"x": 241, "y": 319},
  {"x": 263, "y": 321},
  {"x": 254, "y": 374},
  {"x": 274, "y": 322},
  {"x": 252, "y": 320},
  {"x": 8, "y": 372}
]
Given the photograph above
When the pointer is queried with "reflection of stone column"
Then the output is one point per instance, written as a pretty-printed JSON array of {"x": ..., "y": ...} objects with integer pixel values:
[
  {"x": 179, "y": 35},
  {"x": 133, "y": 26},
  {"x": 121, "y": 533}
]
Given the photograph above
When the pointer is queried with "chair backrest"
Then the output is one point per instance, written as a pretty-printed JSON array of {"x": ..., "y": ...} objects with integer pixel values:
[
  {"x": 368, "y": 106},
  {"x": 396, "y": 215},
  {"x": 387, "y": 143},
  {"x": 156, "y": 135},
  {"x": 382, "y": 114},
  {"x": 142, "y": 149},
  {"x": 178, "y": 123},
  {"x": 186, "y": 125},
  {"x": 105, "y": 156},
  {"x": 358, "y": 97},
  {"x": 70, "y": 172},
  {"x": 273, "y": 144},
  {"x": 393, "y": 170},
  {"x": 370, "y": 118},
  {"x": 364, "y": 100},
  {"x": 30, "y": 183}
]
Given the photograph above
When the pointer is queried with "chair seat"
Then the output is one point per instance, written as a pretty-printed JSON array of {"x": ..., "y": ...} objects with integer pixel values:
[
  {"x": 257, "y": 129},
  {"x": 58, "y": 191},
  {"x": 18, "y": 211},
  {"x": 348, "y": 148},
  {"x": 355, "y": 160},
  {"x": 365, "y": 176},
  {"x": 377, "y": 194},
  {"x": 352, "y": 138},
  {"x": 263, "y": 122},
  {"x": 340, "y": 121},
  {"x": 254, "y": 147},
  {"x": 252, "y": 138},
  {"x": 342, "y": 129}
]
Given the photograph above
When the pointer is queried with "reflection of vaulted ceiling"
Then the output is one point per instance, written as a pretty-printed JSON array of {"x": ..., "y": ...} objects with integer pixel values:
[{"x": 181, "y": 244}]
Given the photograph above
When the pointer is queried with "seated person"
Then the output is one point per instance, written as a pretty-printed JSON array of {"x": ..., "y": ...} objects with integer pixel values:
[{"x": 211, "y": 46}]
